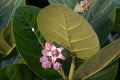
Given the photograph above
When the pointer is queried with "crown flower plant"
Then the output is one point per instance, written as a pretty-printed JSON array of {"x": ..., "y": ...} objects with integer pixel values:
[{"x": 61, "y": 40}]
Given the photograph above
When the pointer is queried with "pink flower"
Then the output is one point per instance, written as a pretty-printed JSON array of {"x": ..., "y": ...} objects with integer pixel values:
[
  {"x": 85, "y": 5},
  {"x": 57, "y": 66},
  {"x": 53, "y": 53},
  {"x": 46, "y": 64}
]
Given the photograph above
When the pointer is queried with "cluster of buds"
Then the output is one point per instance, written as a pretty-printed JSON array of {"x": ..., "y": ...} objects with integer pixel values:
[
  {"x": 50, "y": 55},
  {"x": 85, "y": 5}
]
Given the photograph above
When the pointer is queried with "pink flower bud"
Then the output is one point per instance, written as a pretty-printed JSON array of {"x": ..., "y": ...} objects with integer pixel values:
[
  {"x": 46, "y": 64},
  {"x": 43, "y": 59},
  {"x": 47, "y": 46},
  {"x": 45, "y": 52},
  {"x": 57, "y": 66}
]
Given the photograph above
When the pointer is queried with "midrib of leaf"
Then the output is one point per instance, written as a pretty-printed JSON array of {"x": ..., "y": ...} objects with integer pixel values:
[
  {"x": 62, "y": 26},
  {"x": 66, "y": 29}
]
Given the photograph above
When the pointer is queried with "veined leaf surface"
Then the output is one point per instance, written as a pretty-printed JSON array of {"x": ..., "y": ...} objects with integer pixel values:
[
  {"x": 26, "y": 36},
  {"x": 98, "y": 61},
  {"x": 101, "y": 16},
  {"x": 60, "y": 24},
  {"x": 7, "y": 8}
]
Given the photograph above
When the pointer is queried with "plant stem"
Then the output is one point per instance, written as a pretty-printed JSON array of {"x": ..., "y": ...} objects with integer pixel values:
[
  {"x": 61, "y": 72},
  {"x": 72, "y": 68}
]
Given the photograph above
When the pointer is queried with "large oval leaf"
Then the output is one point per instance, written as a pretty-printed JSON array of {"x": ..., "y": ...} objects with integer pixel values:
[
  {"x": 26, "y": 36},
  {"x": 60, "y": 24},
  {"x": 98, "y": 61},
  {"x": 101, "y": 17},
  {"x": 7, "y": 8},
  {"x": 17, "y": 72}
]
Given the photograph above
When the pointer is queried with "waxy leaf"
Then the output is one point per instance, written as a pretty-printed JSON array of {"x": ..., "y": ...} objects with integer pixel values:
[
  {"x": 101, "y": 17},
  {"x": 17, "y": 72},
  {"x": 109, "y": 73},
  {"x": 116, "y": 26},
  {"x": 6, "y": 42},
  {"x": 68, "y": 3},
  {"x": 26, "y": 36},
  {"x": 63, "y": 26},
  {"x": 7, "y": 8},
  {"x": 98, "y": 61},
  {"x": 117, "y": 3}
]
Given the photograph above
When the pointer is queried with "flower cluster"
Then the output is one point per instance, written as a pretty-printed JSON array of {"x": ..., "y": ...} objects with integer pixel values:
[
  {"x": 85, "y": 5},
  {"x": 50, "y": 55}
]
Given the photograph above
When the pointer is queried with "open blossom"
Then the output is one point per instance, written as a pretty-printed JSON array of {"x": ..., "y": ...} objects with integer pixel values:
[{"x": 53, "y": 53}]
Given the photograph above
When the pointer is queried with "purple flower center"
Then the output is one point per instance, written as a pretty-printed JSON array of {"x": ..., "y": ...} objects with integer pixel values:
[{"x": 55, "y": 53}]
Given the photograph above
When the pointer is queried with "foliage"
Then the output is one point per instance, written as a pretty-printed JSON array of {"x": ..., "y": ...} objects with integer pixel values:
[{"x": 89, "y": 36}]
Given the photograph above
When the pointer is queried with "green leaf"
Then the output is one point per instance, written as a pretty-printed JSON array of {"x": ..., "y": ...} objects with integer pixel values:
[
  {"x": 68, "y": 3},
  {"x": 116, "y": 26},
  {"x": 7, "y": 8},
  {"x": 117, "y": 3},
  {"x": 108, "y": 73},
  {"x": 26, "y": 36},
  {"x": 67, "y": 28},
  {"x": 17, "y": 72},
  {"x": 98, "y": 61},
  {"x": 101, "y": 17},
  {"x": 6, "y": 42}
]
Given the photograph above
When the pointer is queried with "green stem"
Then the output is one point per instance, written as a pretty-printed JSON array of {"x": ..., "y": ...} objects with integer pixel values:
[
  {"x": 61, "y": 72},
  {"x": 72, "y": 68}
]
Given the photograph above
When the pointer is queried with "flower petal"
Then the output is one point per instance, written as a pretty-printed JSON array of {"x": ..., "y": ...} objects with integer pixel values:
[
  {"x": 53, "y": 60},
  {"x": 60, "y": 49},
  {"x": 53, "y": 47},
  {"x": 61, "y": 56}
]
